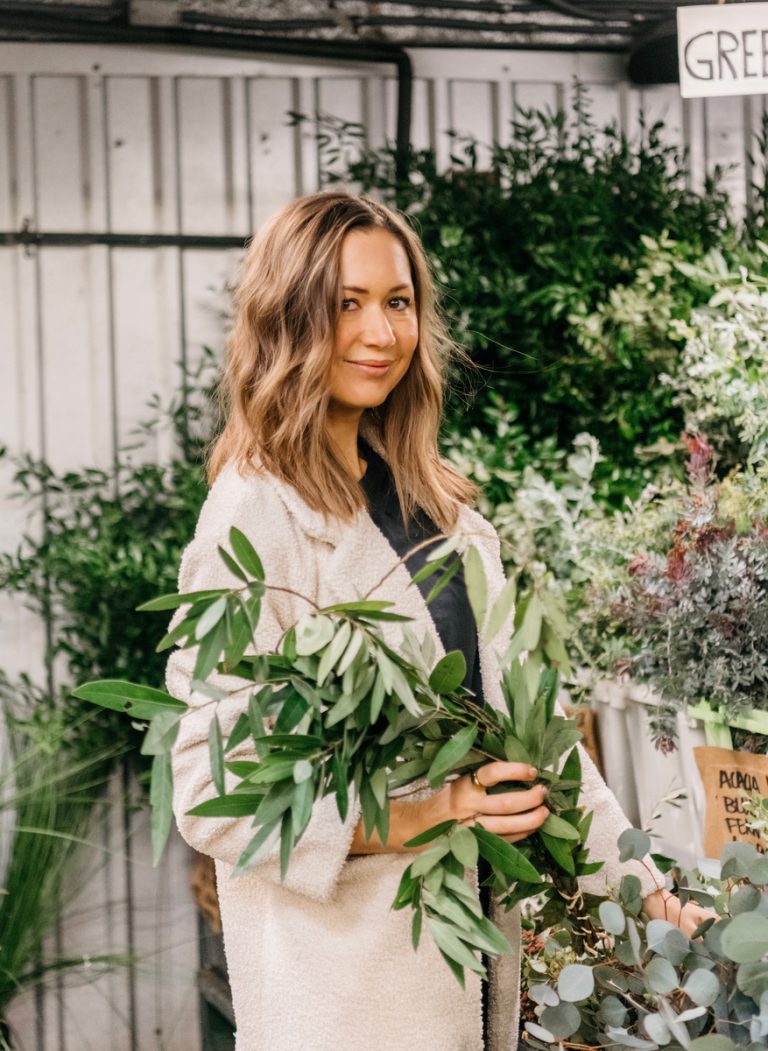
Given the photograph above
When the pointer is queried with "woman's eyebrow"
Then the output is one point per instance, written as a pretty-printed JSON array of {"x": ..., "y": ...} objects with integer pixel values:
[{"x": 365, "y": 291}]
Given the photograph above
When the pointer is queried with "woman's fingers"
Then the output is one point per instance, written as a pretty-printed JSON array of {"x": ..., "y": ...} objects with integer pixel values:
[
  {"x": 514, "y": 826},
  {"x": 496, "y": 772},
  {"x": 511, "y": 802}
]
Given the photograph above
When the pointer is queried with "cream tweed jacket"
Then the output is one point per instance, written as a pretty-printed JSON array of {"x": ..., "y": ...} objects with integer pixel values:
[{"x": 321, "y": 962}]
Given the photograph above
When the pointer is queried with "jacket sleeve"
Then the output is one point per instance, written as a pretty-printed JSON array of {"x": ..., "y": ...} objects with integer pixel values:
[
  {"x": 608, "y": 822},
  {"x": 318, "y": 858}
]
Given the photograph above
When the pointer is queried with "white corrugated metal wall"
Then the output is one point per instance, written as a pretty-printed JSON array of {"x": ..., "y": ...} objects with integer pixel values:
[{"x": 123, "y": 140}]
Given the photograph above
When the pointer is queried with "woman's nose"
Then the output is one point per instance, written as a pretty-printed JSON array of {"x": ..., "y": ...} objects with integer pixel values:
[{"x": 377, "y": 331}]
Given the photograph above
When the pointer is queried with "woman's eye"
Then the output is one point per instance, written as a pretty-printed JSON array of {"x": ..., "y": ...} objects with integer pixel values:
[
  {"x": 400, "y": 302},
  {"x": 348, "y": 304}
]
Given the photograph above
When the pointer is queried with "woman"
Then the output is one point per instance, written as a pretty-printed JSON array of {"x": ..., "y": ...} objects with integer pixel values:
[{"x": 328, "y": 462}]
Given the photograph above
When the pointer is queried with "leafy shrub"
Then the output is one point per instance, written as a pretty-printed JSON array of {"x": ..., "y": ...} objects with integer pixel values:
[
  {"x": 535, "y": 236},
  {"x": 687, "y": 596},
  {"x": 721, "y": 381}
]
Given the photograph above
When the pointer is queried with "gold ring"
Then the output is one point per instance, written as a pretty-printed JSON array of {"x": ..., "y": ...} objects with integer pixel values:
[{"x": 476, "y": 782}]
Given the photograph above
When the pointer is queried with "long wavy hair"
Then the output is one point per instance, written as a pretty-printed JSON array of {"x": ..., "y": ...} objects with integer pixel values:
[{"x": 274, "y": 386}]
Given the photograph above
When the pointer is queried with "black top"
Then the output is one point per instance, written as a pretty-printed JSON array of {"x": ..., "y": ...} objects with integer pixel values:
[{"x": 450, "y": 610}]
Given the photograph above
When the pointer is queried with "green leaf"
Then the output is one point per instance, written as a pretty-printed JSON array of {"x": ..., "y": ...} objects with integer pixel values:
[
  {"x": 209, "y": 651},
  {"x": 429, "y": 858},
  {"x": 558, "y": 850},
  {"x": 451, "y": 753},
  {"x": 443, "y": 580},
  {"x": 245, "y": 553},
  {"x": 355, "y": 645},
  {"x": 175, "y": 599},
  {"x": 515, "y": 751},
  {"x": 256, "y": 722},
  {"x": 293, "y": 710},
  {"x": 301, "y": 809},
  {"x": 428, "y": 569},
  {"x": 259, "y": 847},
  {"x": 161, "y": 799},
  {"x": 448, "y": 941},
  {"x": 504, "y": 856},
  {"x": 416, "y": 927},
  {"x": 463, "y": 846},
  {"x": 528, "y": 631},
  {"x": 240, "y": 731},
  {"x": 244, "y": 804},
  {"x": 431, "y": 833},
  {"x": 476, "y": 583},
  {"x": 216, "y": 753},
  {"x": 231, "y": 565},
  {"x": 449, "y": 672},
  {"x": 162, "y": 733},
  {"x": 359, "y": 606},
  {"x": 210, "y": 619},
  {"x": 745, "y": 939},
  {"x": 140, "y": 702},
  {"x": 501, "y": 609},
  {"x": 558, "y": 828},
  {"x": 286, "y": 843},
  {"x": 239, "y": 635},
  {"x": 278, "y": 798},
  {"x": 333, "y": 651},
  {"x": 341, "y": 785},
  {"x": 302, "y": 771}
]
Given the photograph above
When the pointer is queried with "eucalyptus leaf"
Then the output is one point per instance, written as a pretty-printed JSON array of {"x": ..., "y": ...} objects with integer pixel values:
[
  {"x": 745, "y": 939},
  {"x": 661, "y": 976},
  {"x": 612, "y": 917},
  {"x": 562, "y": 1021},
  {"x": 634, "y": 844},
  {"x": 576, "y": 982}
]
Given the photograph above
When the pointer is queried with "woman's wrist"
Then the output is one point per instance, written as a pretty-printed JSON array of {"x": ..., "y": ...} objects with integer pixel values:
[{"x": 408, "y": 818}]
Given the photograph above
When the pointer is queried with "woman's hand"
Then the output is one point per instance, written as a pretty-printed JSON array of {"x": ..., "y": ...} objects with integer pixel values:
[
  {"x": 662, "y": 905},
  {"x": 512, "y": 815}
]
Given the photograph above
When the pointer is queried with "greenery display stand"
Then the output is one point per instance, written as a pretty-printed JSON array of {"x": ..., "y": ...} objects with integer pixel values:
[{"x": 718, "y": 726}]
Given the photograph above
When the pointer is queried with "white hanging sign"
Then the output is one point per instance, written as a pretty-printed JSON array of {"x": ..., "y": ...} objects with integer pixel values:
[{"x": 723, "y": 49}]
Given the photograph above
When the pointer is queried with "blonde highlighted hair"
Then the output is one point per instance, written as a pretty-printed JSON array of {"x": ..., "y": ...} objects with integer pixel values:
[{"x": 274, "y": 386}]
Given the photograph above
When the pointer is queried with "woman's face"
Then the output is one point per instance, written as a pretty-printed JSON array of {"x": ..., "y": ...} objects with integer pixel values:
[{"x": 378, "y": 327}]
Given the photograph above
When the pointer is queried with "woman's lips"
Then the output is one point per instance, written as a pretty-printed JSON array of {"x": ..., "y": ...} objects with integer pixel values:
[{"x": 370, "y": 368}]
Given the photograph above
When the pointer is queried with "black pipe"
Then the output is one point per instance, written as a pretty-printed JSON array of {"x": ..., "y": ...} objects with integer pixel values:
[
  {"x": 32, "y": 239},
  {"x": 42, "y": 26}
]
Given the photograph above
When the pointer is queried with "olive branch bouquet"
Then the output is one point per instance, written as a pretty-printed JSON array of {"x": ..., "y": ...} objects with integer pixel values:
[{"x": 348, "y": 713}]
